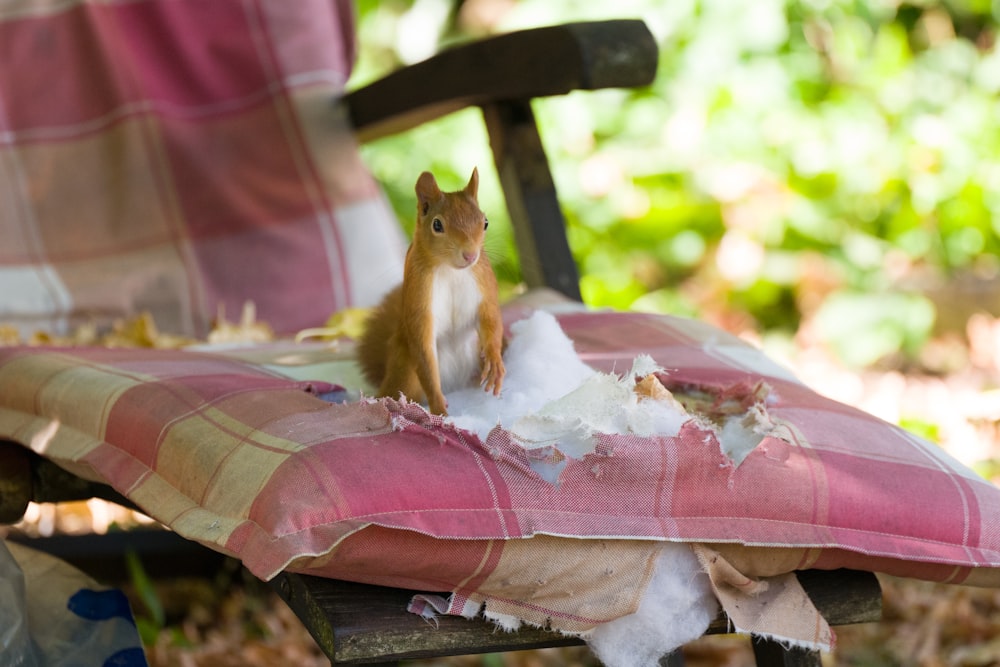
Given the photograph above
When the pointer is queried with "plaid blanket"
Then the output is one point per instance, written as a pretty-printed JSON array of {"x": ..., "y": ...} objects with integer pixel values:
[
  {"x": 257, "y": 465},
  {"x": 177, "y": 156}
]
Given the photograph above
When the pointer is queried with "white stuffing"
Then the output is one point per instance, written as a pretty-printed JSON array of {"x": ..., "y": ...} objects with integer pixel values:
[
  {"x": 541, "y": 366},
  {"x": 577, "y": 401},
  {"x": 676, "y": 608},
  {"x": 577, "y": 404},
  {"x": 742, "y": 433},
  {"x": 602, "y": 404},
  {"x": 737, "y": 438}
]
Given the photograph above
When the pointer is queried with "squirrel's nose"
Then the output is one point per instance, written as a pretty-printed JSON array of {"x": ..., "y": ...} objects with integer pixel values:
[{"x": 470, "y": 257}]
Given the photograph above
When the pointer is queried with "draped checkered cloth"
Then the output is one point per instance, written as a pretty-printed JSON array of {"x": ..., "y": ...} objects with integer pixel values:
[
  {"x": 176, "y": 156},
  {"x": 247, "y": 461}
]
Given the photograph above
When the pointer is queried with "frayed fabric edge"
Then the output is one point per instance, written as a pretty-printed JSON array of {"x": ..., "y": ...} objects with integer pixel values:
[
  {"x": 773, "y": 607},
  {"x": 430, "y": 607}
]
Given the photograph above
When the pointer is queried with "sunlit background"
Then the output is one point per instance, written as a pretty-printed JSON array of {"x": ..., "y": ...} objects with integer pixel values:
[{"x": 819, "y": 176}]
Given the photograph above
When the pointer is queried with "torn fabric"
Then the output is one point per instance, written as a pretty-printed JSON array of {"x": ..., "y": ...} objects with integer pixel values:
[{"x": 775, "y": 607}]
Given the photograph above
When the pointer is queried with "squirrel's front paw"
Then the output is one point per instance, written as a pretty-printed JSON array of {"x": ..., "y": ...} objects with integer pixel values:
[
  {"x": 438, "y": 405},
  {"x": 492, "y": 376}
]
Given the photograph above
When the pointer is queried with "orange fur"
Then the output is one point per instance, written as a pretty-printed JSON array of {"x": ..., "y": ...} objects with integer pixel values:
[{"x": 429, "y": 314}]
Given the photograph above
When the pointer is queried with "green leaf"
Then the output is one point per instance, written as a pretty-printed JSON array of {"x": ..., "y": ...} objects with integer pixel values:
[{"x": 156, "y": 618}]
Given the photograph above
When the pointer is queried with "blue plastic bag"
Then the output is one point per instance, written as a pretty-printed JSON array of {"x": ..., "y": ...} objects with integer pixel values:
[{"x": 53, "y": 615}]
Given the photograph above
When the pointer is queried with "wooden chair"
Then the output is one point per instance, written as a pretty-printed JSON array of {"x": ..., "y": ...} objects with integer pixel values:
[{"x": 358, "y": 624}]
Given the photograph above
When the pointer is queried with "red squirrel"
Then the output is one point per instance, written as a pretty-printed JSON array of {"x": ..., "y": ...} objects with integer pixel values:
[{"x": 442, "y": 325}]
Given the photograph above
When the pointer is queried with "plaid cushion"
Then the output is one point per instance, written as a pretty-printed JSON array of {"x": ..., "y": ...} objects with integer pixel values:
[
  {"x": 231, "y": 454},
  {"x": 181, "y": 155}
]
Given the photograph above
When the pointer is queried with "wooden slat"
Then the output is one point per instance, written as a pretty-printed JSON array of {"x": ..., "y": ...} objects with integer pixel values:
[
  {"x": 358, "y": 624},
  {"x": 55, "y": 485},
  {"x": 844, "y": 597},
  {"x": 520, "y": 65}
]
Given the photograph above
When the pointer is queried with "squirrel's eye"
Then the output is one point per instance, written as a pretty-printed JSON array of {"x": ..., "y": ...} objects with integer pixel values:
[
  {"x": 437, "y": 225},
  {"x": 486, "y": 224}
]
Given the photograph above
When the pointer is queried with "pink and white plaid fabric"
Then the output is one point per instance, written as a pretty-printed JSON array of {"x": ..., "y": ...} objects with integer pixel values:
[
  {"x": 179, "y": 155},
  {"x": 258, "y": 466}
]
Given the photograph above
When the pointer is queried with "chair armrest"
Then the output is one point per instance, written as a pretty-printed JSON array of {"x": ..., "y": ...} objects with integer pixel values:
[{"x": 520, "y": 65}]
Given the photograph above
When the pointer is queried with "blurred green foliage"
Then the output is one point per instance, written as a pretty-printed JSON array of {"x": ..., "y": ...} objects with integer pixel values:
[
  {"x": 796, "y": 162},
  {"x": 152, "y": 619}
]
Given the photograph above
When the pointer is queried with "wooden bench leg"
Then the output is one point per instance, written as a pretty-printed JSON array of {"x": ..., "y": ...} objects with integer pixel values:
[
  {"x": 769, "y": 653},
  {"x": 16, "y": 486}
]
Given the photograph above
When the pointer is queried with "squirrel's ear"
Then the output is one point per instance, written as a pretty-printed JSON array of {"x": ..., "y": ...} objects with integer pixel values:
[
  {"x": 428, "y": 192},
  {"x": 472, "y": 189}
]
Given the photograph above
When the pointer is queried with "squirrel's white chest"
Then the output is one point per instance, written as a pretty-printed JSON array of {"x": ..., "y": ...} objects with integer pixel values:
[{"x": 455, "y": 299}]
